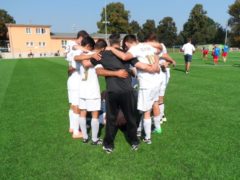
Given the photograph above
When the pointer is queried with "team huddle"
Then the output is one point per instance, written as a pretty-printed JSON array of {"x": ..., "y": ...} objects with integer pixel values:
[{"x": 136, "y": 76}]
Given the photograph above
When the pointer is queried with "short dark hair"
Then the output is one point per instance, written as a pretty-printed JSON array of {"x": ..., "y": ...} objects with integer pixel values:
[
  {"x": 114, "y": 39},
  {"x": 101, "y": 43},
  {"x": 151, "y": 37},
  {"x": 88, "y": 41},
  {"x": 82, "y": 34},
  {"x": 128, "y": 38}
]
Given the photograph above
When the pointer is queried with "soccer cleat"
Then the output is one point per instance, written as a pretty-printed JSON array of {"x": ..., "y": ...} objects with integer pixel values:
[
  {"x": 108, "y": 150},
  {"x": 135, "y": 147},
  {"x": 77, "y": 136},
  {"x": 164, "y": 119},
  {"x": 157, "y": 131},
  {"x": 147, "y": 141},
  {"x": 85, "y": 140},
  {"x": 98, "y": 142}
]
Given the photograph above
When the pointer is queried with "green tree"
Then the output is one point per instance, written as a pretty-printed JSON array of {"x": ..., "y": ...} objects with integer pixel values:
[
  {"x": 134, "y": 27},
  {"x": 234, "y": 22},
  {"x": 167, "y": 31},
  {"x": 5, "y": 18},
  {"x": 220, "y": 35},
  {"x": 200, "y": 27},
  {"x": 147, "y": 28},
  {"x": 117, "y": 18}
]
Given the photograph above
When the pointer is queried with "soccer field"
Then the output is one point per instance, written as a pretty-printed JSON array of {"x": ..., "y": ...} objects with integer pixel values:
[{"x": 200, "y": 140}]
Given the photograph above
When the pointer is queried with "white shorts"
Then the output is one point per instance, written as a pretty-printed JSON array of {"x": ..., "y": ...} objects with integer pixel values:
[
  {"x": 73, "y": 97},
  {"x": 90, "y": 104},
  {"x": 73, "y": 87},
  {"x": 163, "y": 83},
  {"x": 168, "y": 75},
  {"x": 146, "y": 98},
  {"x": 73, "y": 82}
]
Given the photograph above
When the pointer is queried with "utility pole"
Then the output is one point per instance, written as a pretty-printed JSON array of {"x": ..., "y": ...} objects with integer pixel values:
[
  {"x": 226, "y": 33},
  {"x": 106, "y": 21}
]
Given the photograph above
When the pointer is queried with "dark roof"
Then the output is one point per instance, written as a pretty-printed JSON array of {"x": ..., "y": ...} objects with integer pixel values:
[
  {"x": 103, "y": 36},
  {"x": 26, "y": 25},
  {"x": 63, "y": 35}
]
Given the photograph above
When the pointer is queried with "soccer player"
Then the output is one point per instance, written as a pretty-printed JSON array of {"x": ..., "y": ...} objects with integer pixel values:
[
  {"x": 89, "y": 94},
  {"x": 205, "y": 53},
  {"x": 188, "y": 50},
  {"x": 148, "y": 82},
  {"x": 225, "y": 51},
  {"x": 216, "y": 53},
  {"x": 164, "y": 76},
  {"x": 72, "y": 83}
]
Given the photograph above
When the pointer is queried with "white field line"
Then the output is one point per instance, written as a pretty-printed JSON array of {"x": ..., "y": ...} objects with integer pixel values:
[{"x": 206, "y": 65}]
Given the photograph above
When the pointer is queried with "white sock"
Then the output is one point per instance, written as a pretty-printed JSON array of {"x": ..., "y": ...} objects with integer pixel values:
[
  {"x": 161, "y": 107},
  {"x": 75, "y": 118},
  {"x": 147, "y": 123},
  {"x": 140, "y": 125},
  {"x": 157, "y": 122},
  {"x": 95, "y": 129},
  {"x": 83, "y": 126},
  {"x": 71, "y": 119}
]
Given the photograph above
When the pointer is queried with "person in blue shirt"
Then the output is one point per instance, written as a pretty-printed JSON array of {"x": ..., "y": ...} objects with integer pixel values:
[
  {"x": 225, "y": 51},
  {"x": 216, "y": 54}
]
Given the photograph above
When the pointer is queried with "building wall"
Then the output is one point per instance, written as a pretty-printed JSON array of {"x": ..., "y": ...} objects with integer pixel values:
[{"x": 25, "y": 39}]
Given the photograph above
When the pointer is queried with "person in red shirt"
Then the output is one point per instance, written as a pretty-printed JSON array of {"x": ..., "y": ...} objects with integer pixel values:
[{"x": 205, "y": 53}]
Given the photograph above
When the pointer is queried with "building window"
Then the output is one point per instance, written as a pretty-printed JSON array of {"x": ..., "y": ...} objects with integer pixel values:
[
  {"x": 42, "y": 44},
  {"x": 64, "y": 43},
  {"x": 28, "y": 30},
  {"x": 29, "y": 44},
  {"x": 40, "y": 31}
]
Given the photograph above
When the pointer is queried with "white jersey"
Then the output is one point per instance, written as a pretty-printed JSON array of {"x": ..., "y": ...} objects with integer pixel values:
[
  {"x": 164, "y": 51},
  {"x": 89, "y": 83},
  {"x": 69, "y": 50},
  {"x": 188, "y": 49},
  {"x": 75, "y": 64},
  {"x": 75, "y": 78},
  {"x": 145, "y": 54}
]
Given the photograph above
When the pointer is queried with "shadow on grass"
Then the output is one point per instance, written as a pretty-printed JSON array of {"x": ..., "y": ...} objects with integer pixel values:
[
  {"x": 236, "y": 65},
  {"x": 177, "y": 69}
]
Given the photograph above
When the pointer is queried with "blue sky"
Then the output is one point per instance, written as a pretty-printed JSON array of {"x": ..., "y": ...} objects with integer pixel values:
[{"x": 70, "y": 15}]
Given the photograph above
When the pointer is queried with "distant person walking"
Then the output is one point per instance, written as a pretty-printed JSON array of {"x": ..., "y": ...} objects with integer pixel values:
[
  {"x": 215, "y": 54},
  {"x": 205, "y": 53},
  {"x": 225, "y": 51},
  {"x": 188, "y": 49}
]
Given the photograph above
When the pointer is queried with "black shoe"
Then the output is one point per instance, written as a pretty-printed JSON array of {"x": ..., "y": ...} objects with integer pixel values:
[
  {"x": 85, "y": 140},
  {"x": 108, "y": 149},
  {"x": 135, "y": 147},
  {"x": 98, "y": 142}
]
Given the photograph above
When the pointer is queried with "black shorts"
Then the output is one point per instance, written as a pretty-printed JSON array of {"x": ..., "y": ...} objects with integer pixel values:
[{"x": 188, "y": 58}]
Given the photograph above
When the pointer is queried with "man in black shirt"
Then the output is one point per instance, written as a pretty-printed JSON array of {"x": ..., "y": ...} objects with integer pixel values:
[{"x": 119, "y": 94}]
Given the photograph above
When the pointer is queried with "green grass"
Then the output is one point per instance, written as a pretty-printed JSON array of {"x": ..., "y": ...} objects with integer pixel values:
[{"x": 199, "y": 141}]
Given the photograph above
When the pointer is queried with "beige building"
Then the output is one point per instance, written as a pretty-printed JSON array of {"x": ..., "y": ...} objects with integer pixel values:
[
  {"x": 35, "y": 40},
  {"x": 28, "y": 40}
]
